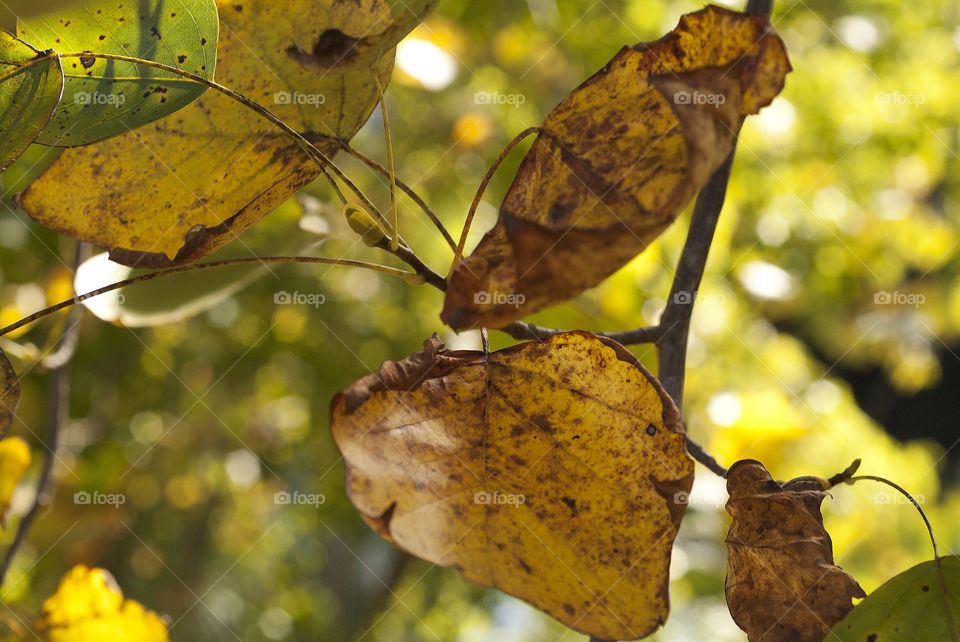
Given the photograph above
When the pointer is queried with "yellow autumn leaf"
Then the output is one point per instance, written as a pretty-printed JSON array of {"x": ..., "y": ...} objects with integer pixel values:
[
  {"x": 14, "y": 460},
  {"x": 88, "y": 606},
  {"x": 195, "y": 180},
  {"x": 554, "y": 471},
  {"x": 616, "y": 162}
]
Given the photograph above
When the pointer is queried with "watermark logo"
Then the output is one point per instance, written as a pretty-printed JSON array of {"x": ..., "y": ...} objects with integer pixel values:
[
  {"x": 896, "y": 498},
  {"x": 496, "y": 98},
  {"x": 498, "y": 298},
  {"x": 898, "y": 98},
  {"x": 496, "y": 498},
  {"x": 99, "y": 99},
  {"x": 685, "y": 297},
  {"x": 698, "y": 98},
  {"x": 296, "y": 498},
  {"x": 898, "y": 298},
  {"x": 299, "y": 98},
  {"x": 299, "y": 298},
  {"x": 683, "y": 498},
  {"x": 84, "y": 498}
]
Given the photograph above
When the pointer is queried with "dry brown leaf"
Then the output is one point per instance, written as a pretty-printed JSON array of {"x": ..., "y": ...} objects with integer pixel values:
[
  {"x": 554, "y": 471},
  {"x": 782, "y": 584},
  {"x": 616, "y": 162}
]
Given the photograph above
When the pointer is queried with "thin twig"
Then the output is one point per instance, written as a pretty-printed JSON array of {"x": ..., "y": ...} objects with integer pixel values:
[
  {"x": 58, "y": 393},
  {"x": 391, "y": 165},
  {"x": 58, "y": 412},
  {"x": 203, "y": 266},
  {"x": 408, "y": 256},
  {"x": 67, "y": 344},
  {"x": 675, "y": 320},
  {"x": 916, "y": 504},
  {"x": 465, "y": 232}
]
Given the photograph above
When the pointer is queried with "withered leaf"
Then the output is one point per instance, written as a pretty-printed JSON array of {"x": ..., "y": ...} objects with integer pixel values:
[
  {"x": 616, "y": 162},
  {"x": 554, "y": 471},
  {"x": 9, "y": 394},
  {"x": 782, "y": 584}
]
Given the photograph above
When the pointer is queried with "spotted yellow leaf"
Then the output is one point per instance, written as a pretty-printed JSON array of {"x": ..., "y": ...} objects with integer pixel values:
[
  {"x": 555, "y": 471},
  {"x": 616, "y": 162},
  {"x": 194, "y": 180}
]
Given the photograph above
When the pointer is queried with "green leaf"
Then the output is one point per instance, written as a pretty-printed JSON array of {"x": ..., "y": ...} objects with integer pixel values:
[
  {"x": 30, "y": 88},
  {"x": 918, "y": 604},
  {"x": 103, "y": 98},
  {"x": 10, "y": 10}
]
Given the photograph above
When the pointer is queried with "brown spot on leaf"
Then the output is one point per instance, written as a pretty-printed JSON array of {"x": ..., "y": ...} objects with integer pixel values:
[{"x": 333, "y": 47}]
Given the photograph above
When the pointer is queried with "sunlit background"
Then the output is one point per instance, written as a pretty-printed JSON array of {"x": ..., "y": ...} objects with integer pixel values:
[{"x": 827, "y": 329}]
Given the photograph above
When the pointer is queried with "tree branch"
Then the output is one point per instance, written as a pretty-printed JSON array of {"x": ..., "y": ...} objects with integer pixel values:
[
  {"x": 191, "y": 267},
  {"x": 675, "y": 320},
  {"x": 58, "y": 412}
]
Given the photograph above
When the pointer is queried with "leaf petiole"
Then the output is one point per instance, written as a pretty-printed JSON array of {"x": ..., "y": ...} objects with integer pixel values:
[
  {"x": 391, "y": 165},
  {"x": 916, "y": 504},
  {"x": 483, "y": 187}
]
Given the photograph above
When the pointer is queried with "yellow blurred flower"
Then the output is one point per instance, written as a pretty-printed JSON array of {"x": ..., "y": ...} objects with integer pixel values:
[
  {"x": 14, "y": 459},
  {"x": 88, "y": 606}
]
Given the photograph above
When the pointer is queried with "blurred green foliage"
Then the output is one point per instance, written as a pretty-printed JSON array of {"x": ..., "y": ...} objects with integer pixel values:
[{"x": 843, "y": 203}]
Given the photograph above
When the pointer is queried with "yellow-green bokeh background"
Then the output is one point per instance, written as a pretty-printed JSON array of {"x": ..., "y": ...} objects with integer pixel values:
[{"x": 845, "y": 188}]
